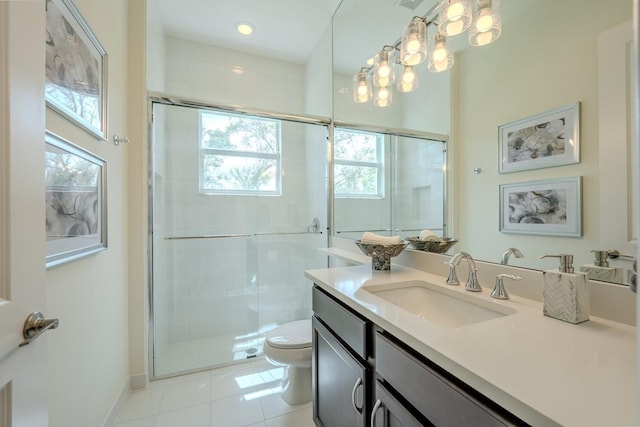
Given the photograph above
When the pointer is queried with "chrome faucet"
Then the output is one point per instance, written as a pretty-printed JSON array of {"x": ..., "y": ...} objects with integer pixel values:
[
  {"x": 472, "y": 284},
  {"x": 499, "y": 292},
  {"x": 511, "y": 251}
]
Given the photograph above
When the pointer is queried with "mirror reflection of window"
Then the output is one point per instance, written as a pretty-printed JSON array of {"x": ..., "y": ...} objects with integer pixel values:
[
  {"x": 358, "y": 164},
  {"x": 387, "y": 183}
]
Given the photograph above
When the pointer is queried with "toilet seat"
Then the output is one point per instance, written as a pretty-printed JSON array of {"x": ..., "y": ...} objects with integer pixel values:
[{"x": 290, "y": 336}]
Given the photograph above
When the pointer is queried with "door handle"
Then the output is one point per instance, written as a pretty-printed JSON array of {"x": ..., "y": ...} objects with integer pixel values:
[{"x": 36, "y": 325}]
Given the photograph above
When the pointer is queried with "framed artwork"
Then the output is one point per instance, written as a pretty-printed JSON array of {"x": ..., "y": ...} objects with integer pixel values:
[
  {"x": 75, "y": 201},
  {"x": 549, "y": 207},
  {"x": 544, "y": 140},
  {"x": 76, "y": 69}
]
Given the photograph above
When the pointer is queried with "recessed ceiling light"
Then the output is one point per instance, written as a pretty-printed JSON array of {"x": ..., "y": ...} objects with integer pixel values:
[{"x": 244, "y": 28}]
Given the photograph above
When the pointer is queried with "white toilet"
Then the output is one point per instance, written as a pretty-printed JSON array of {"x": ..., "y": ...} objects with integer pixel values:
[{"x": 289, "y": 346}]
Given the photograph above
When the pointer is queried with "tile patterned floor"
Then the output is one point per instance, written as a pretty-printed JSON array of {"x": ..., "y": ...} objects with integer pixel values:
[{"x": 242, "y": 395}]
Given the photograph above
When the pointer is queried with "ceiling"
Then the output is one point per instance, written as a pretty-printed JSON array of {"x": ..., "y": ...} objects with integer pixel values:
[
  {"x": 284, "y": 29},
  {"x": 289, "y": 30}
]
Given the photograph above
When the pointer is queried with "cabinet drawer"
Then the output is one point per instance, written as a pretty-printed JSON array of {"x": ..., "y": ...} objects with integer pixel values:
[
  {"x": 346, "y": 324},
  {"x": 440, "y": 398}
]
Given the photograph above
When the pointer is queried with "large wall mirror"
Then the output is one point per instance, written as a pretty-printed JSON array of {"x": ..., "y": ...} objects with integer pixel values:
[{"x": 550, "y": 54}]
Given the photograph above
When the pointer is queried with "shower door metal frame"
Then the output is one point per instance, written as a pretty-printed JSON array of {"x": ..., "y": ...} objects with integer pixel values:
[{"x": 164, "y": 99}]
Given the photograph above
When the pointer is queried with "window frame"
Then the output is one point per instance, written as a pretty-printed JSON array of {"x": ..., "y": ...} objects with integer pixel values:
[
  {"x": 378, "y": 165},
  {"x": 204, "y": 151}
]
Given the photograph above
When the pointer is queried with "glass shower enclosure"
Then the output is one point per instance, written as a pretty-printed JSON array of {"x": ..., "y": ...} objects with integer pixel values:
[{"x": 238, "y": 212}]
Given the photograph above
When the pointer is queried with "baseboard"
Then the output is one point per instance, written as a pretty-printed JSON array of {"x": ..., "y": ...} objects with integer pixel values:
[
  {"x": 138, "y": 382},
  {"x": 110, "y": 421}
]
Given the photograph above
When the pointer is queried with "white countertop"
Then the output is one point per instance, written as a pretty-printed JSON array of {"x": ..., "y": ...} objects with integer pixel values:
[{"x": 541, "y": 369}]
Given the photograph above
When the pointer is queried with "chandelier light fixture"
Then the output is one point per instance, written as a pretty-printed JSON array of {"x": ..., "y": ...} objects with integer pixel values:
[
  {"x": 413, "y": 46},
  {"x": 362, "y": 87},
  {"x": 382, "y": 97},
  {"x": 454, "y": 17},
  {"x": 488, "y": 26},
  {"x": 408, "y": 81},
  {"x": 447, "y": 18},
  {"x": 440, "y": 57},
  {"x": 384, "y": 67}
]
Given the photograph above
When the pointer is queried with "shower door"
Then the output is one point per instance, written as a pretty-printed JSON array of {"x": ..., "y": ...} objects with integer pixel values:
[{"x": 239, "y": 210}]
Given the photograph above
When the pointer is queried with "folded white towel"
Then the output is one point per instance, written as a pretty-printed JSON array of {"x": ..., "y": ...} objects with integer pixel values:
[
  {"x": 369, "y": 237},
  {"x": 429, "y": 235}
]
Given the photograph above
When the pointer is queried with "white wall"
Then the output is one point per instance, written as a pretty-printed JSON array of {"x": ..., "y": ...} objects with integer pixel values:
[
  {"x": 223, "y": 76},
  {"x": 88, "y": 354},
  {"x": 317, "y": 98},
  {"x": 155, "y": 51},
  {"x": 545, "y": 58}
]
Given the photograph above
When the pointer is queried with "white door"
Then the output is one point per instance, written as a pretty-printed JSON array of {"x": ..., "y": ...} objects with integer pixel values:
[{"x": 23, "y": 370}]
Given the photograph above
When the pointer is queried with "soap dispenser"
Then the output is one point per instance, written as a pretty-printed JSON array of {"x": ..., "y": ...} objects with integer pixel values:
[
  {"x": 565, "y": 293},
  {"x": 600, "y": 269}
]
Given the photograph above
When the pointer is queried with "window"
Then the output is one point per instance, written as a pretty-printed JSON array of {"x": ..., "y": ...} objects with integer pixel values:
[
  {"x": 358, "y": 167},
  {"x": 239, "y": 154}
]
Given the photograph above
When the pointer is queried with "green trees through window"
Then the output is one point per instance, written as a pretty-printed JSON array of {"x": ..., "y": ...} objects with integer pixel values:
[
  {"x": 239, "y": 154},
  {"x": 358, "y": 166}
]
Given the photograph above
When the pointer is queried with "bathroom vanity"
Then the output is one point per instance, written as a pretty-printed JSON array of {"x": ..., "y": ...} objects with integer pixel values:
[{"x": 466, "y": 360}]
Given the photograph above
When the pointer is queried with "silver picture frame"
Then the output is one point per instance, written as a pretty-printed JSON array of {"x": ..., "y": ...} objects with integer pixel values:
[
  {"x": 548, "y": 139},
  {"x": 76, "y": 69},
  {"x": 550, "y": 207},
  {"x": 75, "y": 201}
]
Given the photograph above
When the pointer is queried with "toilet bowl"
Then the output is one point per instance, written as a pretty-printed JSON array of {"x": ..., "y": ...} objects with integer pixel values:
[{"x": 289, "y": 346}]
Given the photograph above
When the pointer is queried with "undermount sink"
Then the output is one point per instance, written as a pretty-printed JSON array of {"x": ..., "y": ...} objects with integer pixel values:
[{"x": 438, "y": 305}]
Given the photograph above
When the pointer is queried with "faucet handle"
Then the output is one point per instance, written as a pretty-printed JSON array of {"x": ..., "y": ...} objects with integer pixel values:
[
  {"x": 499, "y": 292},
  {"x": 472, "y": 284},
  {"x": 452, "y": 278}
]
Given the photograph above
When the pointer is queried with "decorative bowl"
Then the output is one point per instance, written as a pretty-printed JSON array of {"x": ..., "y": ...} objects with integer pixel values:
[
  {"x": 435, "y": 246},
  {"x": 381, "y": 254}
]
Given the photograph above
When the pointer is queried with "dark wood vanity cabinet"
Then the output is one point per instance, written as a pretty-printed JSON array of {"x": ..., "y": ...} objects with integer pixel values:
[
  {"x": 364, "y": 376},
  {"x": 341, "y": 375}
]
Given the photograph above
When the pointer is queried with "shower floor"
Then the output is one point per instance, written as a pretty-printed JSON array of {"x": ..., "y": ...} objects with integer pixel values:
[{"x": 221, "y": 350}]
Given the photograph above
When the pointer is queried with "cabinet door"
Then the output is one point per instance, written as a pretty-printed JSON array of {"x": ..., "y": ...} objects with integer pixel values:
[
  {"x": 340, "y": 382},
  {"x": 390, "y": 412}
]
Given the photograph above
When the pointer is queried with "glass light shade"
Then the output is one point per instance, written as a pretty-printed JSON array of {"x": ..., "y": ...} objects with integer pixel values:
[
  {"x": 440, "y": 57},
  {"x": 361, "y": 88},
  {"x": 382, "y": 96},
  {"x": 487, "y": 25},
  {"x": 383, "y": 72},
  {"x": 454, "y": 17},
  {"x": 413, "y": 46},
  {"x": 408, "y": 79}
]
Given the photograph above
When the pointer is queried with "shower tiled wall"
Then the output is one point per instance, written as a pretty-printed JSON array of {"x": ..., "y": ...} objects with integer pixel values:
[{"x": 223, "y": 76}]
